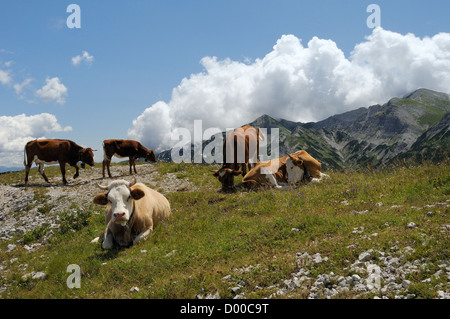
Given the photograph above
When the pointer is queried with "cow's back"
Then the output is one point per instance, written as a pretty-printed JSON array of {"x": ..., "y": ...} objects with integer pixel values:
[
  {"x": 152, "y": 206},
  {"x": 120, "y": 147},
  {"x": 46, "y": 150}
]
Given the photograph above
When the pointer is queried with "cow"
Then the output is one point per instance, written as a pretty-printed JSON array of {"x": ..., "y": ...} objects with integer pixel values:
[
  {"x": 132, "y": 212},
  {"x": 240, "y": 149},
  {"x": 287, "y": 171},
  {"x": 53, "y": 151},
  {"x": 125, "y": 148}
]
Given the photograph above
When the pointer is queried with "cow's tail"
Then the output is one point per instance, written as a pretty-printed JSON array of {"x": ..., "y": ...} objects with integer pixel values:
[{"x": 25, "y": 156}]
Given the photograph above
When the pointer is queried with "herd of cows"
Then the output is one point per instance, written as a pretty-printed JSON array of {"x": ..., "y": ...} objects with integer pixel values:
[{"x": 133, "y": 209}]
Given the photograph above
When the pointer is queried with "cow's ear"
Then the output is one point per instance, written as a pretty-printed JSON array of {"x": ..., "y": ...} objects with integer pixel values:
[
  {"x": 236, "y": 173},
  {"x": 215, "y": 173},
  {"x": 101, "y": 199},
  {"x": 137, "y": 193}
]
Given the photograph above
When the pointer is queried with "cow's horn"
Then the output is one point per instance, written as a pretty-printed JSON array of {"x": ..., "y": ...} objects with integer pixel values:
[
  {"x": 102, "y": 187},
  {"x": 133, "y": 182}
]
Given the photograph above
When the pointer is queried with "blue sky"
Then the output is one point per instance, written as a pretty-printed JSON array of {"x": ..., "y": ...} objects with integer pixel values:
[{"x": 141, "y": 51}]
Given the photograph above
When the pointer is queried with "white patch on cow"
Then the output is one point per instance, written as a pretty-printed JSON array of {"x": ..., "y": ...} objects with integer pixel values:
[
  {"x": 272, "y": 181},
  {"x": 318, "y": 180},
  {"x": 294, "y": 173},
  {"x": 117, "y": 155},
  {"x": 222, "y": 173},
  {"x": 41, "y": 163}
]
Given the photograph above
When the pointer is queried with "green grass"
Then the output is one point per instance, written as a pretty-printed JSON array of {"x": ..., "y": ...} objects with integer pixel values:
[{"x": 211, "y": 234}]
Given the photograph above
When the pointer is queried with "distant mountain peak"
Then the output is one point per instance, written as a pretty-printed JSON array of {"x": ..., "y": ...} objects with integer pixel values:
[{"x": 425, "y": 94}]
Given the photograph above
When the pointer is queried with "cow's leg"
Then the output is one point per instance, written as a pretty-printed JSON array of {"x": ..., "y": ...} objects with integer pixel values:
[
  {"x": 108, "y": 241},
  {"x": 41, "y": 170},
  {"x": 143, "y": 236},
  {"x": 108, "y": 164},
  {"x": 132, "y": 163},
  {"x": 244, "y": 169},
  {"x": 103, "y": 168},
  {"x": 62, "y": 166},
  {"x": 77, "y": 173},
  {"x": 27, "y": 171}
]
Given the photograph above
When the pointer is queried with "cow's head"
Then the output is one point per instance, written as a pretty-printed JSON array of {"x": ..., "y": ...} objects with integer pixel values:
[
  {"x": 226, "y": 177},
  {"x": 87, "y": 156},
  {"x": 120, "y": 197},
  {"x": 151, "y": 156},
  {"x": 294, "y": 169}
]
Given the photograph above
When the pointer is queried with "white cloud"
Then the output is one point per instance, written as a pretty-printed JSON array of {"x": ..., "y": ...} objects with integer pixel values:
[
  {"x": 53, "y": 90},
  {"x": 84, "y": 57},
  {"x": 16, "y": 131},
  {"x": 299, "y": 83},
  {"x": 19, "y": 87},
  {"x": 5, "y": 78}
]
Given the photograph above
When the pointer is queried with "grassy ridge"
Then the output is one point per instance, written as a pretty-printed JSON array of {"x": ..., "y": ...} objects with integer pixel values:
[{"x": 212, "y": 234}]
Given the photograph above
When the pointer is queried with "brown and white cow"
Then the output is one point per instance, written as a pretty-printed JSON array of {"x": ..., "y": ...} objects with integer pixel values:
[
  {"x": 125, "y": 148},
  {"x": 285, "y": 171},
  {"x": 52, "y": 151},
  {"x": 240, "y": 149},
  {"x": 132, "y": 212}
]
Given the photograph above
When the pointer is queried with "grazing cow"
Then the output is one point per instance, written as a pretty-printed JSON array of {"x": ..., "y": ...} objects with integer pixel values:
[
  {"x": 290, "y": 169},
  {"x": 132, "y": 211},
  {"x": 55, "y": 151},
  {"x": 125, "y": 148},
  {"x": 240, "y": 149}
]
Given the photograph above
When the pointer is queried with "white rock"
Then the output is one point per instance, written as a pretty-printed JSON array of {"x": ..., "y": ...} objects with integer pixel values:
[
  {"x": 134, "y": 289},
  {"x": 40, "y": 275},
  {"x": 10, "y": 247},
  {"x": 365, "y": 256},
  {"x": 412, "y": 225}
]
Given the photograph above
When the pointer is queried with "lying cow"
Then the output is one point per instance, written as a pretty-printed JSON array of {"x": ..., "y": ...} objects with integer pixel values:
[
  {"x": 125, "y": 148},
  {"x": 240, "y": 149},
  {"x": 288, "y": 170},
  {"x": 53, "y": 152},
  {"x": 132, "y": 211}
]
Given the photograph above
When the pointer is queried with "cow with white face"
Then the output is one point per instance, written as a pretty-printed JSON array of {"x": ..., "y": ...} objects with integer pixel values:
[
  {"x": 132, "y": 211},
  {"x": 284, "y": 172}
]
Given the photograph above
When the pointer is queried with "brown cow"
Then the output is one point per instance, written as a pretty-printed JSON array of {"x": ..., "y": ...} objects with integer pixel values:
[
  {"x": 53, "y": 151},
  {"x": 240, "y": 149},
  {"x": 125, "y": 148},
  {"x": 132, "y": 211},
  {"x": 288, "y": 170}
]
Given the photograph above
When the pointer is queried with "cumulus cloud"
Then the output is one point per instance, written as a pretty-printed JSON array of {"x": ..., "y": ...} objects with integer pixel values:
[
  {"x": 299, "y": 83},
  {"x": 5, "y": 78},
  {"x": 53, "y": 90},
  {"x": 84, "y": 57},
  {"x": 19, "y": 87},
  {"x": 16, "y": 131}
]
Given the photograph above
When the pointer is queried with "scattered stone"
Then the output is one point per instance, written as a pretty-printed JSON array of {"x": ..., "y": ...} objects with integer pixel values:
[
  {"x": 171, "y": 253},
  {"x": 365, "y": 256},
  {"x": 412, "y": 225},
  {"x": 134, "y": 289},
  {"x": 10, "y": 247}
]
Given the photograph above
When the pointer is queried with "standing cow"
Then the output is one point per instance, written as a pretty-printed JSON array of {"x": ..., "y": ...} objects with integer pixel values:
[
  {"x": 240, "y": 149},
  {"x": 53, "y": 151},
  {"x": 125, "y": 148},
  {"x": 132, "y": 211}
]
